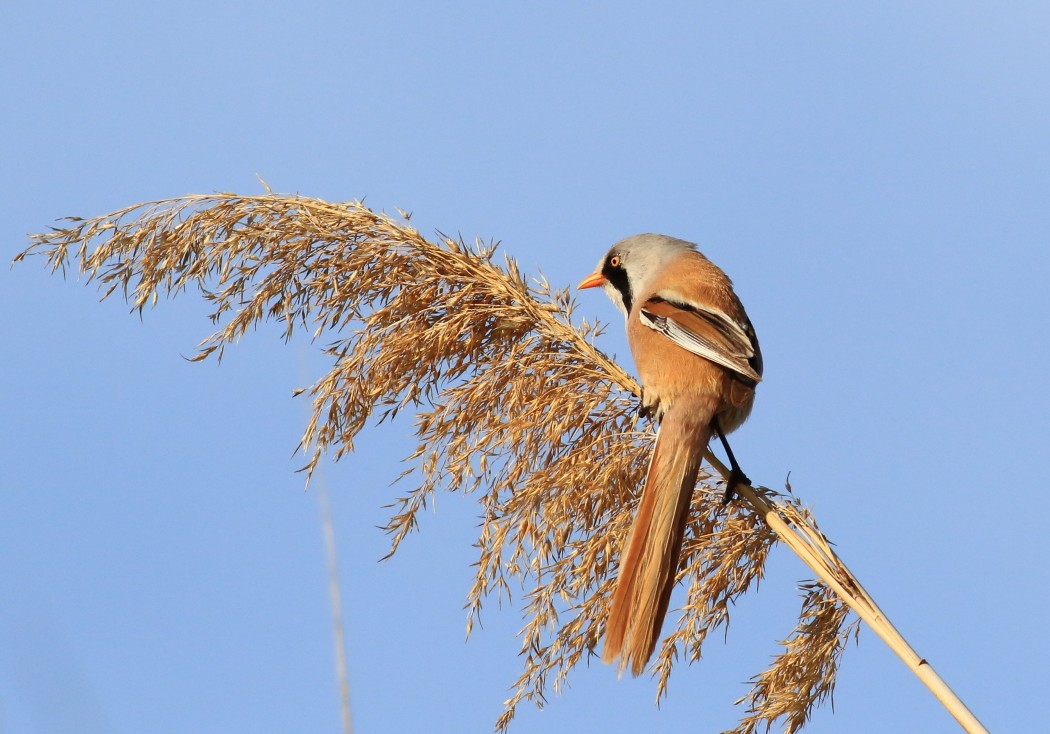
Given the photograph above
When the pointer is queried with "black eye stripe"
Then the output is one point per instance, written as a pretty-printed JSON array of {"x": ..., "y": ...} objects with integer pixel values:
[{"x": 617, "y": 277}]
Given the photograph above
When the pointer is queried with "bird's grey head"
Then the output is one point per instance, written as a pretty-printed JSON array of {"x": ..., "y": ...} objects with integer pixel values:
[{"x": 629, "y": 265}]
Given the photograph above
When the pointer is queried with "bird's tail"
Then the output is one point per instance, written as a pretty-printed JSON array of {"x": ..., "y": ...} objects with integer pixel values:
[{"x": 649, "y": 561}]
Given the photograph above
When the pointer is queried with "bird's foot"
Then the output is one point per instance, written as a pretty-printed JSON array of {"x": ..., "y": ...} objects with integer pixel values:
[
  {"x": 736, "y": 476},
  {"x": 646, "y": 409}
]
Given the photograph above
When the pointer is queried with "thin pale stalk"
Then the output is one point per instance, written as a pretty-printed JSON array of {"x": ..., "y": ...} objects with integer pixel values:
[
  {"x": 338, "y": 629},
  {"x": 812, "y": 547}
]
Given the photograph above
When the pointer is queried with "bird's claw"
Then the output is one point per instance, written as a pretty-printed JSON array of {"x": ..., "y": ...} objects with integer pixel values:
[{"x": 735, "y": 477}]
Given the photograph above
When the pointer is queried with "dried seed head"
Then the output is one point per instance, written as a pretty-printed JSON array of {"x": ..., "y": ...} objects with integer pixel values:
[{"x": 513, "y": 403}]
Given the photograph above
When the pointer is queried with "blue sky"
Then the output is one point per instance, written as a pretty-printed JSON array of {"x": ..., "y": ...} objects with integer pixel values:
[{"x": 874, "y": 179}]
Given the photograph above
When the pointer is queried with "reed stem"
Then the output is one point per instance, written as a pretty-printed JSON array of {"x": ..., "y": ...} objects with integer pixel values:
[{"x": 813, "y": 548}]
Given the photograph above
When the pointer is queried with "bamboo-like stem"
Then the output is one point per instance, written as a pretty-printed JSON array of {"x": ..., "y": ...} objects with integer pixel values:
[{"x": 813, "y": 548}]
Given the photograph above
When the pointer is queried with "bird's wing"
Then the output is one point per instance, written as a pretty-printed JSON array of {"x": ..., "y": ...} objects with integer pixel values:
[{"x": 706, "y": 332}]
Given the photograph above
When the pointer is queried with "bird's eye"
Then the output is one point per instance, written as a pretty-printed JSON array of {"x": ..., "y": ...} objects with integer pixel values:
[{"x": 614, "y": 261}]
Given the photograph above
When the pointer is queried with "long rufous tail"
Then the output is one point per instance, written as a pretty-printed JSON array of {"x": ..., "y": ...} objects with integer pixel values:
[{"x": 649, "y": 559}]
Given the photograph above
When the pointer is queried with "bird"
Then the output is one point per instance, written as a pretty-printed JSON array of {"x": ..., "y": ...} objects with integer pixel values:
[{"x": 699, "y": 362}]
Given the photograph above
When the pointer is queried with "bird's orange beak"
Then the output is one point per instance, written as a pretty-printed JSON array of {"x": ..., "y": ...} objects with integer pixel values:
[{"x": 592, "y": 281}]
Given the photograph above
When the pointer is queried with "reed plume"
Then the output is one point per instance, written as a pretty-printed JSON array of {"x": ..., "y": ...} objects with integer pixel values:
[{"x": 513, "y": 403}]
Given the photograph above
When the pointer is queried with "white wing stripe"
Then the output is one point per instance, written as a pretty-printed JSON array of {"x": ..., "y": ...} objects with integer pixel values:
[{"x": 700, "y": 346}]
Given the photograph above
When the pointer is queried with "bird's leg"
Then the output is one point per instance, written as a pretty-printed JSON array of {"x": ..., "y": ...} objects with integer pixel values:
[{"x": 736, "y": 474}]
